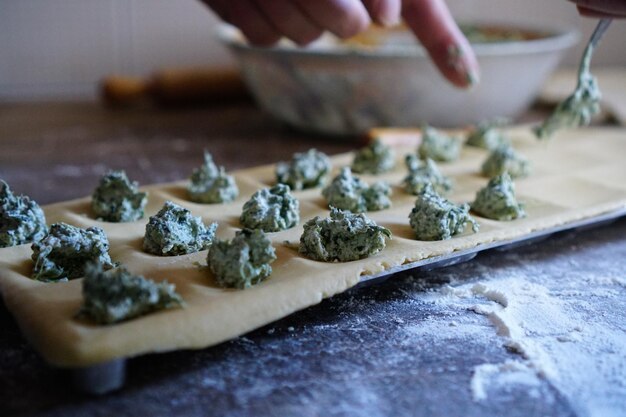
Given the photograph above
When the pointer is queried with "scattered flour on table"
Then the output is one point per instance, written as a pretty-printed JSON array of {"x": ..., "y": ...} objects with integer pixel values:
[
  {"x": 509, "y": 373},
  {"x": 573, "y": 337}
]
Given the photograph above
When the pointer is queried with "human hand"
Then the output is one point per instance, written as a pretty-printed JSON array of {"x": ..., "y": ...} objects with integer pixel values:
[
  {"x": 264, "y": 22},
  {"x": 601, "y": 8}
]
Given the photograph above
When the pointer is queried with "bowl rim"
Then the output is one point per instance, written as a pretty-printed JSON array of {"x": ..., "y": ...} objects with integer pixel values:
[{"x": 559, "y": 37}]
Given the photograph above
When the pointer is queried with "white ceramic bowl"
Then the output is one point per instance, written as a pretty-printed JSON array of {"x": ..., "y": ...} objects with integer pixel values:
[{"x": 336, "y": 88}]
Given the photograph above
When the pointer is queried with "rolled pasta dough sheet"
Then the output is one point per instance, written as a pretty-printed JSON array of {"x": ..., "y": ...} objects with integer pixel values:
[{"x": 579, "y": 174}]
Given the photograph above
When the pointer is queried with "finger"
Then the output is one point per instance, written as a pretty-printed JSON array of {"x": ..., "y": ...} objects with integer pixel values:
[
  {"x": 597, "y": 14},
  {"x": 344, "y": 18},
  {"x": 384, "y": 12},
  {"x": 289, "y": 20},
  {"x": 433, "y": 25},
  {"x": 219, "y": 8},
  {"x": 248, "y": 18},
  {"x": 612, "y": 7}
]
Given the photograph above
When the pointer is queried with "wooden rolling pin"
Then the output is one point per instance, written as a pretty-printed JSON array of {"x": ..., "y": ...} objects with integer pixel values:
[{"x": 175, "y": 87}]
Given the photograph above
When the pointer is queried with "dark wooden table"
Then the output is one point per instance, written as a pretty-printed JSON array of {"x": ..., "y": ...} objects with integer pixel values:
[
  {"x": 350, "y": 355},
  {"x": 56, "y": 152}
]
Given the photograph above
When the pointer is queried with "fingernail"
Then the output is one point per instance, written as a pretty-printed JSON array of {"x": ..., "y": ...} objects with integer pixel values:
[
  {"x": 389, "y": 15},
  {"x": 458, "y": 61},
  {"x": 389, "y": 21},
  {"x": 472, "y": 77}
]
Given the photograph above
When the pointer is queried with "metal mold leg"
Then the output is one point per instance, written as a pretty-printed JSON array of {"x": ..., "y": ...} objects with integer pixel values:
[{"x": 100, "y": 379}]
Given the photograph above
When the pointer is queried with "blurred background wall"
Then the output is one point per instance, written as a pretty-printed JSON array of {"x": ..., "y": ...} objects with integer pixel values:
[{"x": 59, "y": 49}]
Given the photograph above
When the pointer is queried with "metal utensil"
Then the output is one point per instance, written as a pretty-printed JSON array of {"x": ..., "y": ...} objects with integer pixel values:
[
  {"x": 599, "y": 31},
  {"x": 578, "y": 109},
  {"x": 596, "y": 36}
]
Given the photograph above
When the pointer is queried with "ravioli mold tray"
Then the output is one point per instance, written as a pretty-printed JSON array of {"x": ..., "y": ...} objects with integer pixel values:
[
  {"x": 578, "y": 182},
  {"x": 110, "y": 376}
]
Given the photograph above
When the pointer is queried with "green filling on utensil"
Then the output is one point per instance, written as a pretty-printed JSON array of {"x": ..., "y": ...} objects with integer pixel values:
[
  {"x": 209, "y": 184},
  {"x": 577, "y": 109},
  {"x": 174, "y": 231},
  {"x": 117, "y": 199},
  {"x": 342, "y": 237},
  {"x": 423, "y": 172},
  {"x": 21, "y": 219},
  {"x": 374, "y": 158},
  {"x": 305, "y": 170},
  {"x": 347, "y": 192},
  {"x": 65, "y": 251},
  {"x": 117, "y": 295},
  {"x": 271, "y": 210},
  {"x": 435, "y": 218},
  {"x": 497, "y": 200},
  {"x": 243, "y": 261}
]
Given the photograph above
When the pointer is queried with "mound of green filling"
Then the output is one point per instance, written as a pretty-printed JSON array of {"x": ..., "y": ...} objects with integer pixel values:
[
  {"x": 347, "y": 192},
  {"x": 210, "y": 184},
  {"x": 21, "y": 219},
  {"x": 174, "y": 231},
  {"x": 66, "y": 250},
  {"x": 271, "y": 210},
  {"x": 116, "y": 199},
  {"x": 487, "y": 135},
  {"x": 116, "y": 295},
  {"x": 422, "y": 172},
  {"x": 342, "y": 237},
  {"x": 435, "y": 218},
  {"x": 438, "y": 146},
  {"x": 243, "y": 261},
  {"x": 505, "y": 159},
  {"x": 497, "y": 200},
  {"x": 305, "y": 170},
  {"x": 375, "y": 158}
]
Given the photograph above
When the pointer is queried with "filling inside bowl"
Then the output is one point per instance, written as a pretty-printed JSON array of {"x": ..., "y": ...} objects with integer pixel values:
[{"x": 377, "y": 37}]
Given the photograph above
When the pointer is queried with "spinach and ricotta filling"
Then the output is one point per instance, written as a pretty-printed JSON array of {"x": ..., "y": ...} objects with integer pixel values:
[
  {"x": 116, "y": 295},
  {"x": 305, "y": 170},
  {"x": 271, "y": 210},
  {"x": 438, "y": 146},
  {"x": 497, "y": 200},
  {"x": 422, "y": 172},
  {"x": 243, "y": 261},
  {"x": 577, "y": 109},
  {"x": 210, "y": 184},
  {"x": 505, "y": 159},
  {"x": 21, "y": 219},
  {"x": 117, "y": 199},
  {"x": 487, "y": 135},
  {"x": 175, "y": 231},
  {"x": 344, "y": 236},
  {"x": 65, "y": 251},
  {"x": 347, "y": 192},
  {"x": 435, "y": 218},
  {"x": 374, "y": 158}
]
